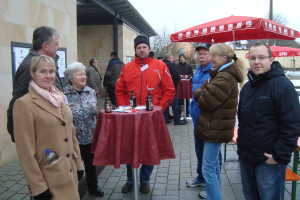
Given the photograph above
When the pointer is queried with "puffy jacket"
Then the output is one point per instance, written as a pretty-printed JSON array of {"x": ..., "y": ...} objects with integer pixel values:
[
  {"x": 218, "y": 102},
  {"x": 269, "y": 117},
  {"x": 142, "y": 75},
  {"x": 198, "y": 79},
  {"x": 84, "y": 110}
]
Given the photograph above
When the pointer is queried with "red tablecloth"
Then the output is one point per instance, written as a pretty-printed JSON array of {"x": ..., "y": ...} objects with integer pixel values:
[
  {"x": 131, "y": 138},
  {"x": 184, "y": 89}
]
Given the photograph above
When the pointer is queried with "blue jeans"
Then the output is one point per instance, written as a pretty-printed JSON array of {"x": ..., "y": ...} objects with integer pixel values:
[
  {"x": 145, "y": 173},
  {"x": 175, "y": 109},
  {"x": 211, "y": 169},
  {"x": 263, "y": 181},
  {"x": 199, "y": 144}
]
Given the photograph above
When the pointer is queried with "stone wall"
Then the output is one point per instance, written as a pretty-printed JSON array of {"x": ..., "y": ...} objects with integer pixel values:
[{"x": 18, "y": 19}]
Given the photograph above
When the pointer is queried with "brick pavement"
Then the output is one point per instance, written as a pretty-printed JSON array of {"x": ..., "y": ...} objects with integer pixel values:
[{"x": 167, "y": 180}]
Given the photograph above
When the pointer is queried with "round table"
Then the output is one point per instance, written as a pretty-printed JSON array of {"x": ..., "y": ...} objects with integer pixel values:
[{"x": 134, "y": 138}]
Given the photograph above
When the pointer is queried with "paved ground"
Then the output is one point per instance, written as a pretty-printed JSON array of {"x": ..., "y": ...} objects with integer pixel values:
[{"x": 167, "y": 180}]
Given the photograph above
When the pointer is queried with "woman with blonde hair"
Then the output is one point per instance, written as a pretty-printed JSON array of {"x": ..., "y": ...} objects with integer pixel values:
[
  {"x": 218, "y": 100},
  {"x": 43, "y": 122}
]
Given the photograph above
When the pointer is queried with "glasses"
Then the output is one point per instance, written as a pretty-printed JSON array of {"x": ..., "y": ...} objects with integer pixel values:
[{"x": 259, "y": 58}]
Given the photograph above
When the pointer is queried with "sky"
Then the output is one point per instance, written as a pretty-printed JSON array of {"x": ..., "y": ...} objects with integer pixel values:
[{"x": 171, "y": 16}]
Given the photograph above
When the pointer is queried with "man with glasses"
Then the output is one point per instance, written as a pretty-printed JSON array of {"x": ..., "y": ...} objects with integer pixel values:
[{"x": 269, "y": 124}]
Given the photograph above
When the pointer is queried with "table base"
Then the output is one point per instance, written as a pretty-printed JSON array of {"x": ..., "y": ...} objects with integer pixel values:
[{"x": 135, "y": 183}]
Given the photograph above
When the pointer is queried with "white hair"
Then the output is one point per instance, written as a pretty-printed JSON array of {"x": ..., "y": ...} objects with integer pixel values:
[{"x": 71, "y": 69}]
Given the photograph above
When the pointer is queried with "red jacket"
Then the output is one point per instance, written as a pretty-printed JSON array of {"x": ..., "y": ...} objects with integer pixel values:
[{"x": 156, "y": 78}]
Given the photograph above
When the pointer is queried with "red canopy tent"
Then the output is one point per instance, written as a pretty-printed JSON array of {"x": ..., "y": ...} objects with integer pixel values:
[
  {"x": 278, "y": 51},
  {"x": 235, "y": 28}
]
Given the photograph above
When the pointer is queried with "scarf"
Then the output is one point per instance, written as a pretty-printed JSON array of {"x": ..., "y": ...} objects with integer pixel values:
[{"x": 52, "y": 96}]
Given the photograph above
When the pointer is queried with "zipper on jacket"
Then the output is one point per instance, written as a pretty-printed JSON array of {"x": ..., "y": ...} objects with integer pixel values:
[
  {"x": 141, "y": 84},
  {"x": 166, "y": 102}
]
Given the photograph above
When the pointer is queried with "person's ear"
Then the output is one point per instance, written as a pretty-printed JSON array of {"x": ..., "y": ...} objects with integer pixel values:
[
  {"x": 45, "y": 46},
  {"x": 272, "y": 59},
  {"x": 31, "y": 73}
]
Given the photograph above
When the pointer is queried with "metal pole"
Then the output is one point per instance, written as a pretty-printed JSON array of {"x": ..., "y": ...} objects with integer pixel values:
[{"x": 135, "y": 181}]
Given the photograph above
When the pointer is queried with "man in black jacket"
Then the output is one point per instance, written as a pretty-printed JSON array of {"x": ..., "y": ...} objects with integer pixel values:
[
  {"x": 112, "y": 73},
  {"x": 169, "y": 61},
  {"x": 45, "y": 41},
  {"x": 186, "y": 72},
  {"x": 269, "y": 124}
]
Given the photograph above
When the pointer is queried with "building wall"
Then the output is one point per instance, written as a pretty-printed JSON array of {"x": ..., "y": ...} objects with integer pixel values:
[
  {"x": 128, "y": 43},
  {"x": 18, "y": 19}
]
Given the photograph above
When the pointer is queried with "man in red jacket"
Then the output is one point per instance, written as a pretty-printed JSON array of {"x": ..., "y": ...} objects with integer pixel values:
[{"x": 140, "y": 75}]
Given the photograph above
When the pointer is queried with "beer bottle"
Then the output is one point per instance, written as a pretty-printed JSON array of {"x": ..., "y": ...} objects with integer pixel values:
[
  {"x": 107, "y": 104},
  {"x": 132, "y": 99},
  {"x": 149, "y": 102}
]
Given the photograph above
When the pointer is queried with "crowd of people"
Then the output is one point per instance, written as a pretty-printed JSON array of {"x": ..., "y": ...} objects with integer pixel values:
[{"x": 45, "y": 114}]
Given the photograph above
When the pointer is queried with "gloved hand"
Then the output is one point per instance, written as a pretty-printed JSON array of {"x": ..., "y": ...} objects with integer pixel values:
[
  {"x": 80, "y": 175},
  {"x": 44, "y": 196}
]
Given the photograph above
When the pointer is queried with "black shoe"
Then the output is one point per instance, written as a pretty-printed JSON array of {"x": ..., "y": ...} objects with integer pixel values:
[
  {"x": 127, "y": 188},
  {"x": 181, "y": 122},
  {"x": 169, "y": 121},
  {"x": 97, "y": 192},
  {"x": 145, "y": 188},
  {"x": 171, "y": 117}
]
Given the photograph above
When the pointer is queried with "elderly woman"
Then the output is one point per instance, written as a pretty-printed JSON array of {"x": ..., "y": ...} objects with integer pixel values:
[
  {"x": 218, "y": 102},
  {"x": 42, "y": 120},
  {"x": 83, "y": 103}
]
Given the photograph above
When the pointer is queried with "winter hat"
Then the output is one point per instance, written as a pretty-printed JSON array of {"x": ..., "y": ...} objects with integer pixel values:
[
  {"x": 180, "y": 56},
  {"x": 141, "y": 39},
  {"x": 114, "y": 53}
]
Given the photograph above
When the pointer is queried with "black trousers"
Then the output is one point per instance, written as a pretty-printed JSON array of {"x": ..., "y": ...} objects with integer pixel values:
[
  {"x": 90, "y": 169},
  {"x": 112, "y": 96}
]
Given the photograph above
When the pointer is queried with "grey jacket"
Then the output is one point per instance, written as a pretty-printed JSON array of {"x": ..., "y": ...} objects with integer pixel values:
[{"x": 93, "y": 78}]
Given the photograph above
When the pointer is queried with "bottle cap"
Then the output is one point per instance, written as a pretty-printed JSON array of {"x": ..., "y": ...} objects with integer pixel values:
[{"x": 47, "y": 151}]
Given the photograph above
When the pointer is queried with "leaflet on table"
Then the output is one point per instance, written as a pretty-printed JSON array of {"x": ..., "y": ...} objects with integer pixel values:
[{"x": 129, "y": 109}]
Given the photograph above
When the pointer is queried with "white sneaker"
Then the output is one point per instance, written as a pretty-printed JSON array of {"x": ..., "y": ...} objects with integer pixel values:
[
  {"x": 202, "y": 195},
  {"x": 195, "y": 183}
]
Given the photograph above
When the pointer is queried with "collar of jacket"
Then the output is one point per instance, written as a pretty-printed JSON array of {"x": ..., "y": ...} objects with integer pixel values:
[
  {"x": 95, "y": 68},
  {"x": 276, "y": 70},
  {"x": 145, "y": 60},
  {"x": 208, "y": 67},
  {"x": 69, "y": 89}
]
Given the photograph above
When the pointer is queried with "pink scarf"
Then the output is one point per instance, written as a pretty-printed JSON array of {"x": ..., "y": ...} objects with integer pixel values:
[{"x": 52, "y": 96}]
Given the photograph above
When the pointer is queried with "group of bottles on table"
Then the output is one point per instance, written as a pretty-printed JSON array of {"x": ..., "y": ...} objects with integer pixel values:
[{"x": 149, "y": 102}]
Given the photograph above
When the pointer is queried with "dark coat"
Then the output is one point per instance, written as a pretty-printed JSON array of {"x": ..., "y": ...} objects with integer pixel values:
[
  {"x": 185, "y": 69},
  {"x": 112, "y": 73},
  {"x": 21, "y": 85},
  {"x": 174, "y": 73},
  {"x": 269, "y": 117},
  {"x": 218, "y": 102}
]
